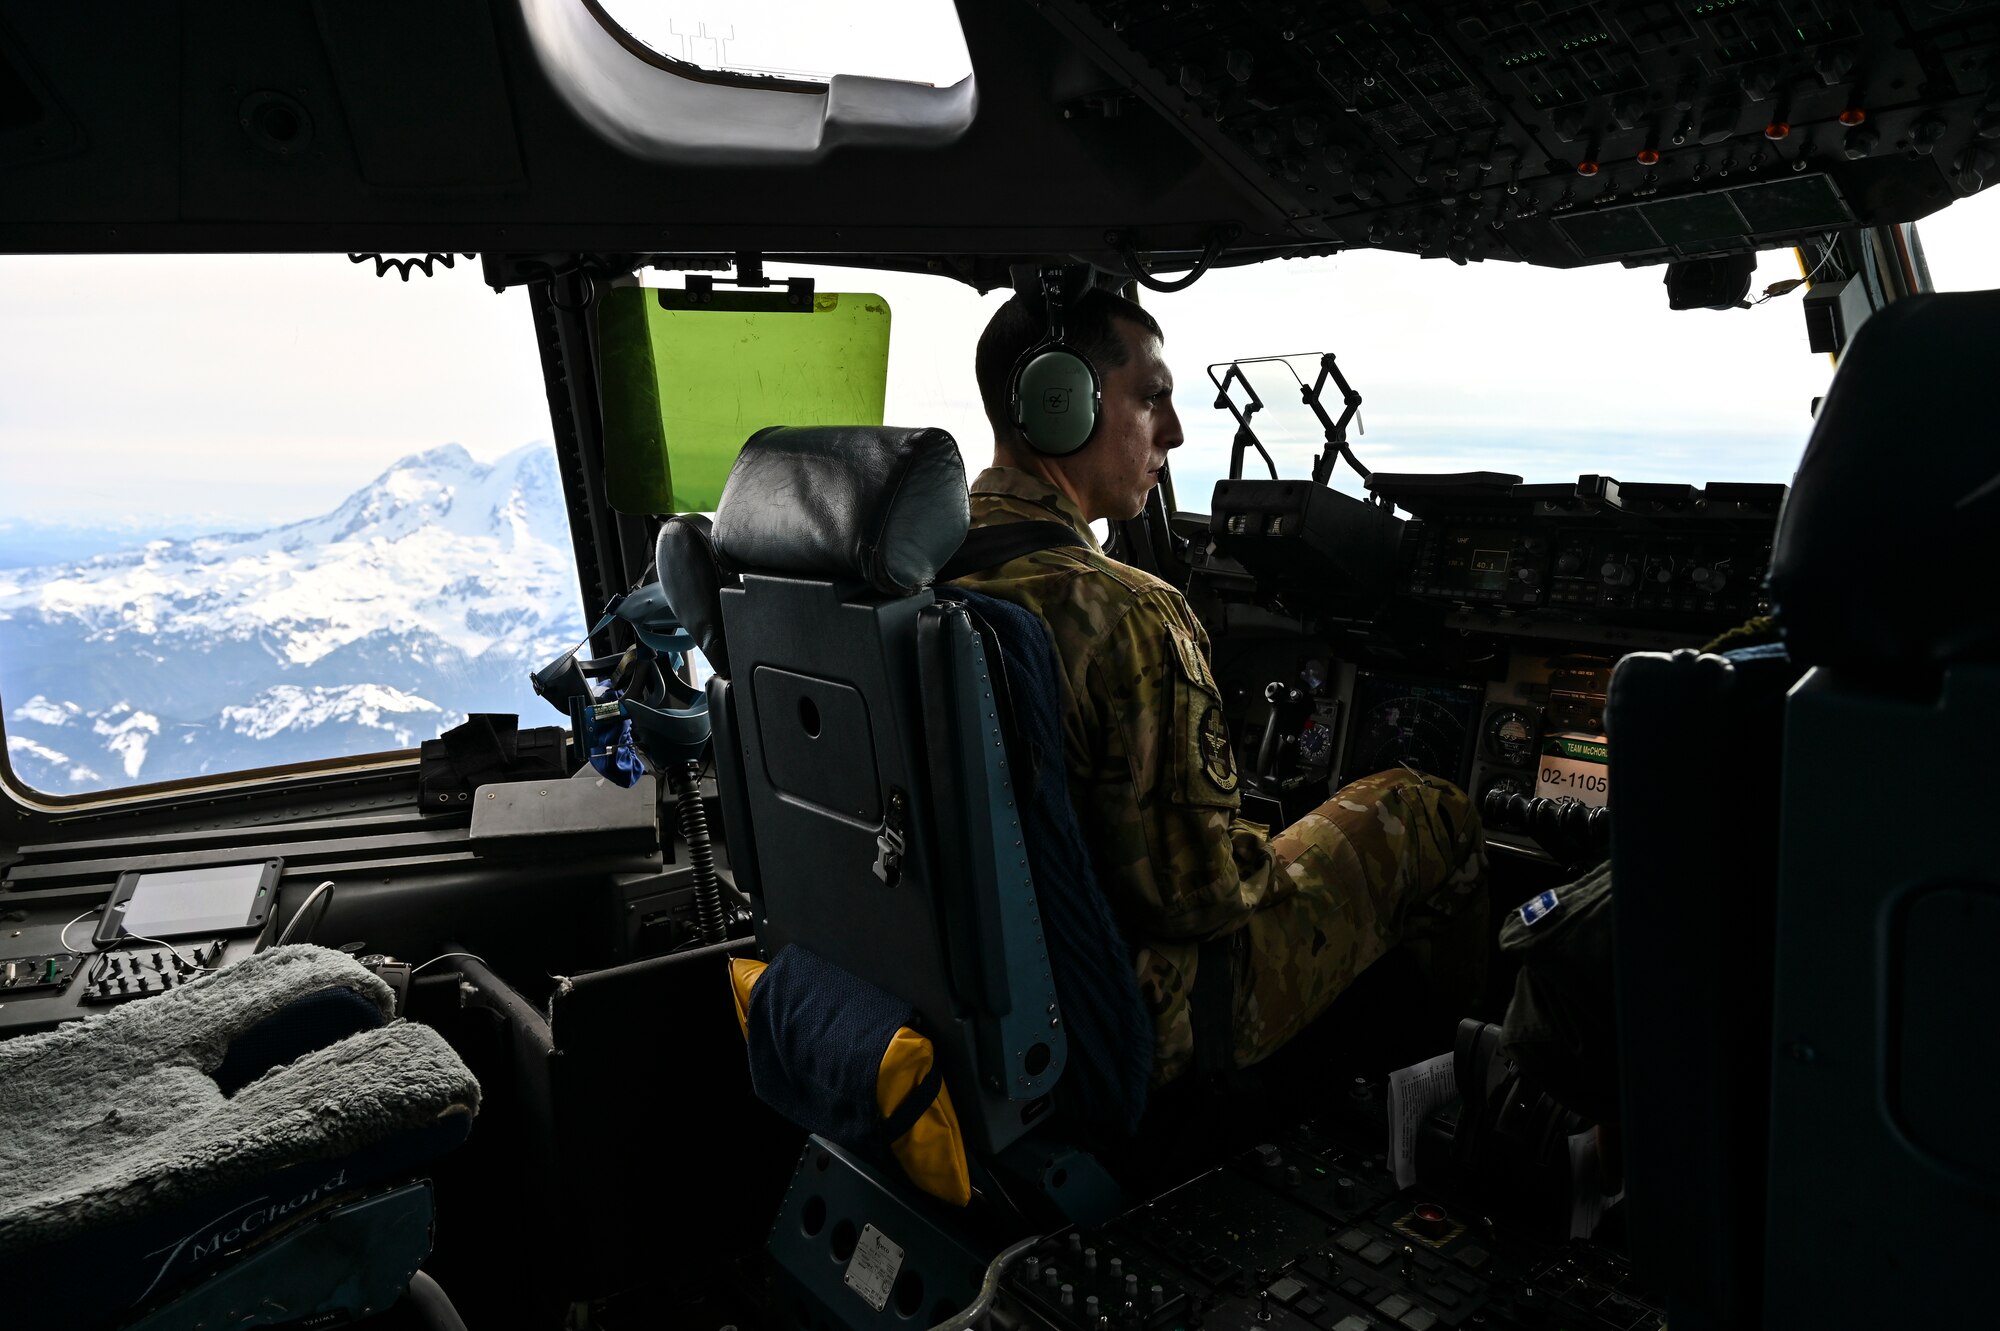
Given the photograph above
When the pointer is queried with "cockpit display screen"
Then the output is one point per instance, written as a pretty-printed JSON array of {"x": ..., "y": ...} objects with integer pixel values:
[
  {"x": 1425, "y": 724},
  {"x": 1476, "y": 559},
  {"x": 1489, "y": 570}
]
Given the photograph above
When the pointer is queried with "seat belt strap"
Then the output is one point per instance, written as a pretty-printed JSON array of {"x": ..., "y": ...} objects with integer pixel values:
[{"x": 990, "y": 547}]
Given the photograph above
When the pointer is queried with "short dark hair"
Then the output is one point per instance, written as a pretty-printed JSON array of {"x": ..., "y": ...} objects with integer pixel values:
[{"x": 1023, "y": 321}]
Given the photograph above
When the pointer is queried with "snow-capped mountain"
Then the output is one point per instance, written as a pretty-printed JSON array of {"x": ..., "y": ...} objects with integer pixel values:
[{"x": 427, "y": 594}]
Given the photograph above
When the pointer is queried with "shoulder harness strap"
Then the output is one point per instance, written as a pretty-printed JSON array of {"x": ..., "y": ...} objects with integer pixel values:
[{"x": 990, "y": 547}]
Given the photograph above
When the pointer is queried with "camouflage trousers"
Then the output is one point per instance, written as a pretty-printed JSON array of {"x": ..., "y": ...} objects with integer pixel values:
[{"x": 1392, "y": 859}]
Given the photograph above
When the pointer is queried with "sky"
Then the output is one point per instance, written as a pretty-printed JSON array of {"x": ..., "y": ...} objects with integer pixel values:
[
  {"x": 917, "y": 40},
  {"x": 245, "y": 388}
]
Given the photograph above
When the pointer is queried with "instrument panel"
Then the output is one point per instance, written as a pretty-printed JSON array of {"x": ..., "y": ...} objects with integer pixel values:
[
  {"x": 1482, "y": 651},
  {"x": 1687, "y": 560},
  {"x": 1644, "y": 555}
]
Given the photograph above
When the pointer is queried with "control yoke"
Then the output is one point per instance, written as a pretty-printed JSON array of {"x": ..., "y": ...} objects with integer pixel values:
[{"x": 1309, "y": 393}]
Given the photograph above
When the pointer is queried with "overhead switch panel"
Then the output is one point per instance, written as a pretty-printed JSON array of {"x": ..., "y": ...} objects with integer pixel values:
[{"x": 1530, "y": 131}]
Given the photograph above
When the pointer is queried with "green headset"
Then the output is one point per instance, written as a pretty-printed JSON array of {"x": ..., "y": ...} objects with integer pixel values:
[{"x": 1054, "y": 393}]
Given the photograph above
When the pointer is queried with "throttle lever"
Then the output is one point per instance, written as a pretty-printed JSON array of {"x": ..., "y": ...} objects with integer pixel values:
[{"x": 1271, "y": 747}]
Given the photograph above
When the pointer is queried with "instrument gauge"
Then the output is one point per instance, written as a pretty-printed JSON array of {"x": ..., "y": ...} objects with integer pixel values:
[
  {"x": 1510, "y": 736},
  {"x": 1315, "y": 745}
]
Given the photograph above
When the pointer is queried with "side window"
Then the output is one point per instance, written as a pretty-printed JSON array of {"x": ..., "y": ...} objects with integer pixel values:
[{"x": 266, "y": 510}]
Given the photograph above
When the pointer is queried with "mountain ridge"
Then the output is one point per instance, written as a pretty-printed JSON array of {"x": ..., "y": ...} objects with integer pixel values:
[{"x": 427, "y": 593}]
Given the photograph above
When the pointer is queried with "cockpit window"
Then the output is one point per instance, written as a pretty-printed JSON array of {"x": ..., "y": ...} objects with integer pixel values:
[
  {"x": 1961, "y": 244},
  {"x": 1496, "y": 367},
  {"x": 915, "y": 41},
  {"x": 266, "y": 510}
]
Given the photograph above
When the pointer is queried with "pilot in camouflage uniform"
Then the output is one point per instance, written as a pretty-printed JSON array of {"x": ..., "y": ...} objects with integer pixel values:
[{"x": 1392, "y": 858}]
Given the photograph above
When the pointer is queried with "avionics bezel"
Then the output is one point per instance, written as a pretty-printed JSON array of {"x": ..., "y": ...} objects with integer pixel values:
[{"x": 1472, "y": 691}]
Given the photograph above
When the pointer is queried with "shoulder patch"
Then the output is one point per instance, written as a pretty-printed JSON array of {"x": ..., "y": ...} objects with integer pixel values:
[
  {"x": 1216, "y": 759},
  {"x": 1194, "y": 662},
  {"x": 1205, "y": 763}
]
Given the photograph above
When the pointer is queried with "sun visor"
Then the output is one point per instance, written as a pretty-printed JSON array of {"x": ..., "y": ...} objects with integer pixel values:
[{"x": 684, "y": 384}]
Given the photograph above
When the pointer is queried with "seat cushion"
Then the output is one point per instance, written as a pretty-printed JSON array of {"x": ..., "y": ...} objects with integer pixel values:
[{"x": 121, "y": 1115}]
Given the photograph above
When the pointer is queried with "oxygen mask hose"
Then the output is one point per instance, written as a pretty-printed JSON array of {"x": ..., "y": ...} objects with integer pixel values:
[{"x": 711, "y": 920}]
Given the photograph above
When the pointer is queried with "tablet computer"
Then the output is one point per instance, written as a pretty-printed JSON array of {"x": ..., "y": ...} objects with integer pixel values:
[{"x": 182, "y": 903}]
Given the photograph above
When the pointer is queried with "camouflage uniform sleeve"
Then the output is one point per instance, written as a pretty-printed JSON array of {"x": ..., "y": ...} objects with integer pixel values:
[{"x": 1160, "y": 798}]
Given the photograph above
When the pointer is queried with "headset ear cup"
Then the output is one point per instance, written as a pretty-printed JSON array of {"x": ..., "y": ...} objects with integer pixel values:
[{"x": 1056, "y": 400}]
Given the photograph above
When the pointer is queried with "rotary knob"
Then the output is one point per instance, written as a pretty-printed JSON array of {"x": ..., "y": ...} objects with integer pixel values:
[
  {"x": 1616, "y": 574},
  {"x": 1527, "y": 577},
  {"x": 1710, "y": 579},
  {"x": 1569, "y": 562}
]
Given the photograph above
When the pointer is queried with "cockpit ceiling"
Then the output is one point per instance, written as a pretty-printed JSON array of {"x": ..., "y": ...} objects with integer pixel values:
[{"x": 1549, "y": 131}]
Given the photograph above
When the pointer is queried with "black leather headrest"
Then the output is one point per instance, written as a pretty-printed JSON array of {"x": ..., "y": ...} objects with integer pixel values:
[
  {"x": 692, "y": 581},
  {"x": 845, "y": 502},
  {"x": 1890, "y": 541}
]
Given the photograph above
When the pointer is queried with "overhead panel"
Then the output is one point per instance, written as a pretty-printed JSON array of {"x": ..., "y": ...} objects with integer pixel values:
[
  {"x": 33, "y": 126},
  {"x": 422, "y": 92},
  {"x": 1562, "y": 132}
]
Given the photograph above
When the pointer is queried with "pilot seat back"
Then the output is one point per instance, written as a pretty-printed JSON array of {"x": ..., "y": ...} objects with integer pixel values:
[
  {"x": 861, "y": 827},
  {"x": 864, "y": 767},
  {"x": 1884, "y": 1182}
]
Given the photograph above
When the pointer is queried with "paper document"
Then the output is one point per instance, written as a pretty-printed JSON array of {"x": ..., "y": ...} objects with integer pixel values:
[
  {"x": 1587, "y": 1200},
  {"x": 1415, "y": 1093}
]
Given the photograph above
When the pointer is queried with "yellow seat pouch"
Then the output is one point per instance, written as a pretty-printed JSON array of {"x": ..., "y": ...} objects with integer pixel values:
[{"x": 931, "y": 1149}]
